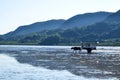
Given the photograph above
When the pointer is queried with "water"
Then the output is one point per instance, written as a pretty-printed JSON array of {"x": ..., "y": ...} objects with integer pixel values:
[{"x": 58, "y": 63}]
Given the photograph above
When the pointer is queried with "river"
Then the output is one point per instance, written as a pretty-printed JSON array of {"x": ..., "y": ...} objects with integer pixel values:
[{"x": 18, "y": 62}]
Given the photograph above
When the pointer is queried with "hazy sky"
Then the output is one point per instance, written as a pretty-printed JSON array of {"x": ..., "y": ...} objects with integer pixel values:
[{"x": 14, "y": 13}]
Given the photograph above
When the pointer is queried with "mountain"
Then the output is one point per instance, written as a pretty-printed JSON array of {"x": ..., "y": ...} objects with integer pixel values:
[
  {"x": 99, "y": 31},
  {"x": 107, "y": 29},
  {"x": 36, "y": 27},
  {"x": 114, "y": 33},
  {"x": 76, "y": 21},
  {"x": 113, "y": 18},
  {"x": 85, "y": 19},
  {"x": 1, "y": 39}
]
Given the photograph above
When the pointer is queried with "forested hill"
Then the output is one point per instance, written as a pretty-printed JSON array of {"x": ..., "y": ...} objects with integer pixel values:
[
  {"x": 76, "y": 21},
  {"x": 85, "y": 19},
  {"x": 36, "y": 27},
  {"x": 115, "y": 17},
  {"x": 107, "y": 29}
]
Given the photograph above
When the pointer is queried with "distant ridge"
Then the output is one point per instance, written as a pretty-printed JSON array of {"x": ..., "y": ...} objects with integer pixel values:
[
  {"x": 76, "y": 21},
  {"x": 36, "y": 27},
  {"x": 85, "y": 19},
  {"x": 99, "y": 26},
  {"x": 115, "y": 17}
]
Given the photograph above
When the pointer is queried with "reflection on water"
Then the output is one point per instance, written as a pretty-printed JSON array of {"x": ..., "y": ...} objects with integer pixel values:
[
  {"x": 10, "y": 69},
  {"x": 57, "y": 63}
]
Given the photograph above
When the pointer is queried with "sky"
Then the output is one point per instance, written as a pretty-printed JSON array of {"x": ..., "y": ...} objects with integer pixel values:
[{"x": 15, "y": 13}]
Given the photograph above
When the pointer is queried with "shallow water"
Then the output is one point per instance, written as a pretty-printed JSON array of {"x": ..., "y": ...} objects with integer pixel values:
[{"x": 58, "y": 63}]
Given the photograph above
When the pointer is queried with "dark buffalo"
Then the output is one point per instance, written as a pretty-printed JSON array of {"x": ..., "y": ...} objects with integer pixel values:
[{"x": 75, "y": 49}]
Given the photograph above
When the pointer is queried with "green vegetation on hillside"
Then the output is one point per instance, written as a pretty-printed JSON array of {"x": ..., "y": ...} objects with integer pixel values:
[
  {"x": 73, "y": 36},
  {"x": 107, "y": 32}
]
